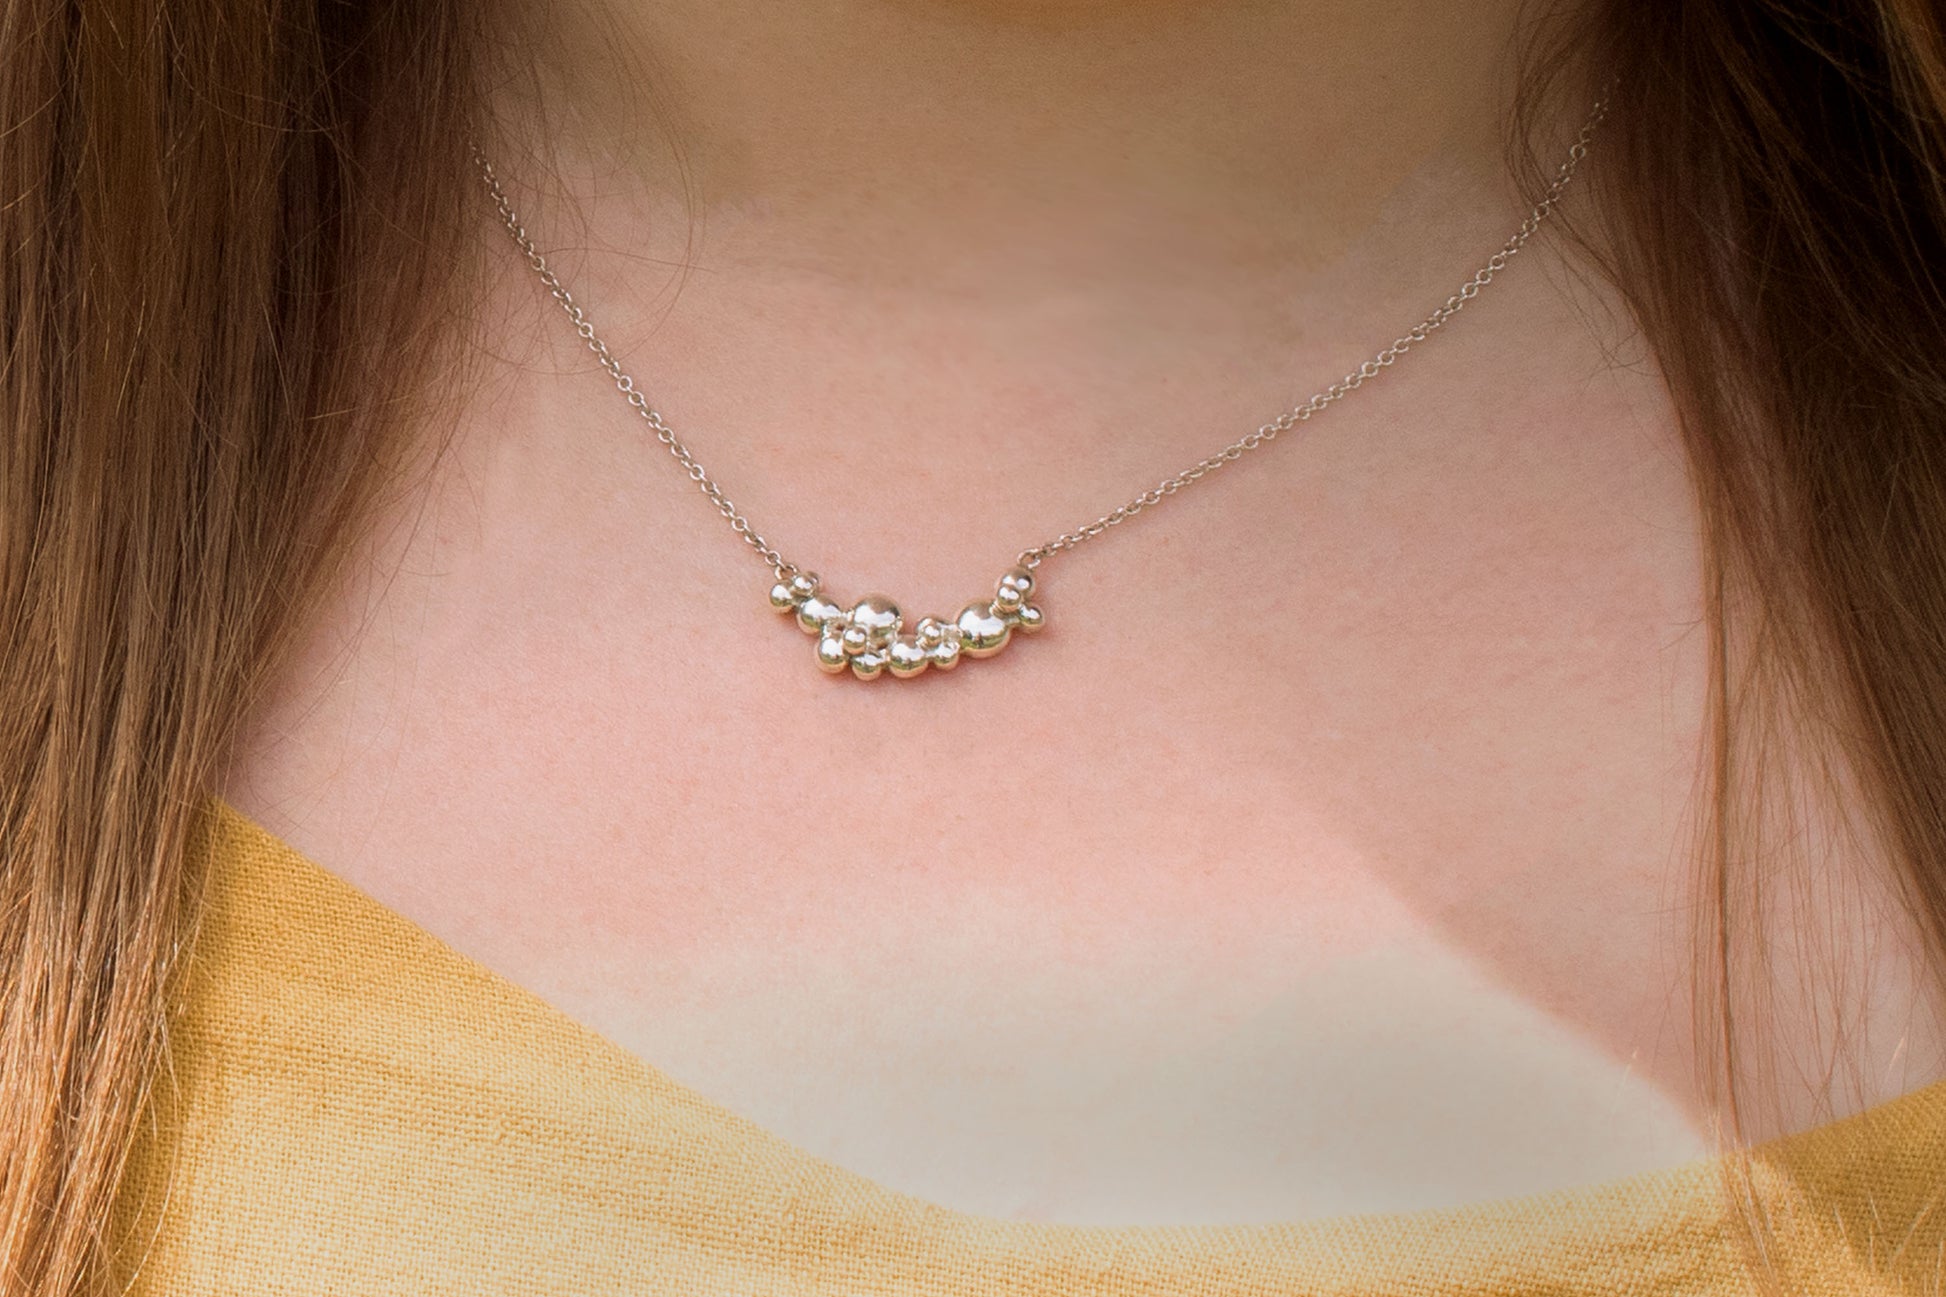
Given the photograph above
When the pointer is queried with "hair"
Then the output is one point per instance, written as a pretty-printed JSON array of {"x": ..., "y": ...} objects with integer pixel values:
[
  {"x": 225, "y": 225},
  {"x": 1772, "y": 209},
  {"x": 229, "y": 230}
]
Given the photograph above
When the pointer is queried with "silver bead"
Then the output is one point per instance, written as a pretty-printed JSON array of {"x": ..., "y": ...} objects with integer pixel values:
[
  {"x": 817, "y": 612},
  {"x": 831, "y": 654},
  {"x": 856, "y": 639},
  {"x": 782, "y": 599},
  {"x": 1007, "y": 600},
  {"x": 905, "y": 658},
  {"x": 1030, "y": 618},
  {"x": 982, "y": 631},
  {"x": 930, "y": 632},
  {"x": 1017, "y": 578},
  {"x": 945, "y": 654},
  {"x": 803, "y": 585},
  {"x": 879, "y": 617},
  {"x": 868, "y": 665}
]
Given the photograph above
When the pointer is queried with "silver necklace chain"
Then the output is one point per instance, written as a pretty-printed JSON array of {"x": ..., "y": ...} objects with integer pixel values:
[{"x": 875, "y": 631}]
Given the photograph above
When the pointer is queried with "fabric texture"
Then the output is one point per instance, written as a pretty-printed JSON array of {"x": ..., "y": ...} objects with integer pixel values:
[{"x": 355, "y": 1108}]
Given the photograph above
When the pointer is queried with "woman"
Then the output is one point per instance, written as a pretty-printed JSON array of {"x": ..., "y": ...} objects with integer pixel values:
[{"x": 1488, "y": 838}]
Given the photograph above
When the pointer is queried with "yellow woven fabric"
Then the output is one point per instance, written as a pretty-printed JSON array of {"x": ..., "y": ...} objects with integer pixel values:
[{"x": 356, "y": 1109}]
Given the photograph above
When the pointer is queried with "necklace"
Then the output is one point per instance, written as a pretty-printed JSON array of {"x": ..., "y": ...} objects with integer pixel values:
[{"x": 868, "y": 638}]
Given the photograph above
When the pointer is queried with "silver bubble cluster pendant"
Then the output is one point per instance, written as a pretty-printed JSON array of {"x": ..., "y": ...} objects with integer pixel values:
[{"x": 868, "y": 639}]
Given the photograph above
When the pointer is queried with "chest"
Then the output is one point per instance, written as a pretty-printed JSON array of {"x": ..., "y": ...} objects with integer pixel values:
[{"x": 1291, "y": 870}]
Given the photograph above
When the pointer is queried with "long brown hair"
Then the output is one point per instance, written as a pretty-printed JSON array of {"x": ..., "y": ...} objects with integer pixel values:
[
  {"x": 1772, "y": 207},
  {"x": 228, "y": 228}
]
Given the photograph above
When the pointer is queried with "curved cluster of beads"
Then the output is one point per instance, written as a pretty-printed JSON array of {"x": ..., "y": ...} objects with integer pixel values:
[{"x": 868, "y": 638}]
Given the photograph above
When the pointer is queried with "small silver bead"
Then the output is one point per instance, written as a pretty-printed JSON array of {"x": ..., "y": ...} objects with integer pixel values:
[
  {"x": 945, "y": 654},
  {"x": 782, "y": 599},
  {"x": 982, "y": 632},
  {"x": 930, "y": 632},
  {"x": 804, "y": 584},
  {"x": 868, "y": 665},
  {"x": 816, "y": 613},
  {"x": 1008, "y": 600},
  {"x": 831, "y": 654},
  {"x": 1030, "y": 618},
  {"x": 1017, "y": 578},
  {"x": 856, "y": 639},
  {"x": 905, "y": 658}
]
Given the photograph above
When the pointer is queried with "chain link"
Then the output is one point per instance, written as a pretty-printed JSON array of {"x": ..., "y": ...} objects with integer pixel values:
[
  {"x": 585, "y": 330},
  {"x": 1251, "y": 441}
]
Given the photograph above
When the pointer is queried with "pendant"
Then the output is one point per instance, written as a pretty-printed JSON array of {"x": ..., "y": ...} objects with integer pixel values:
[{"x": 868, "y": 638}]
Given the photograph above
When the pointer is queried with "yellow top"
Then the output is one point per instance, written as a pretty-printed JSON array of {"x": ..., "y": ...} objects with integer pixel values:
[{"x": 357, "y": 1109}]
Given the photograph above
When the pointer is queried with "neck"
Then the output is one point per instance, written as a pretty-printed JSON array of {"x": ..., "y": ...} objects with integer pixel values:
[
  {"x": 991, "y": 264},
  {"x": 1068, "y": 141}
]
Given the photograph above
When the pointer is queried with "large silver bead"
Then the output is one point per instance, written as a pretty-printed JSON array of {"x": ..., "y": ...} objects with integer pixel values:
[
  {"x": 816, "y": 611},
  {"x": 905, "y": 658},
  {"x": 982, "y": 631},
  {"x": 879, "y": 616}
]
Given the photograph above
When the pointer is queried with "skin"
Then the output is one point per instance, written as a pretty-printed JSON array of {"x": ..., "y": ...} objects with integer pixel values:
[{"x": 1330, "y": 850}]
